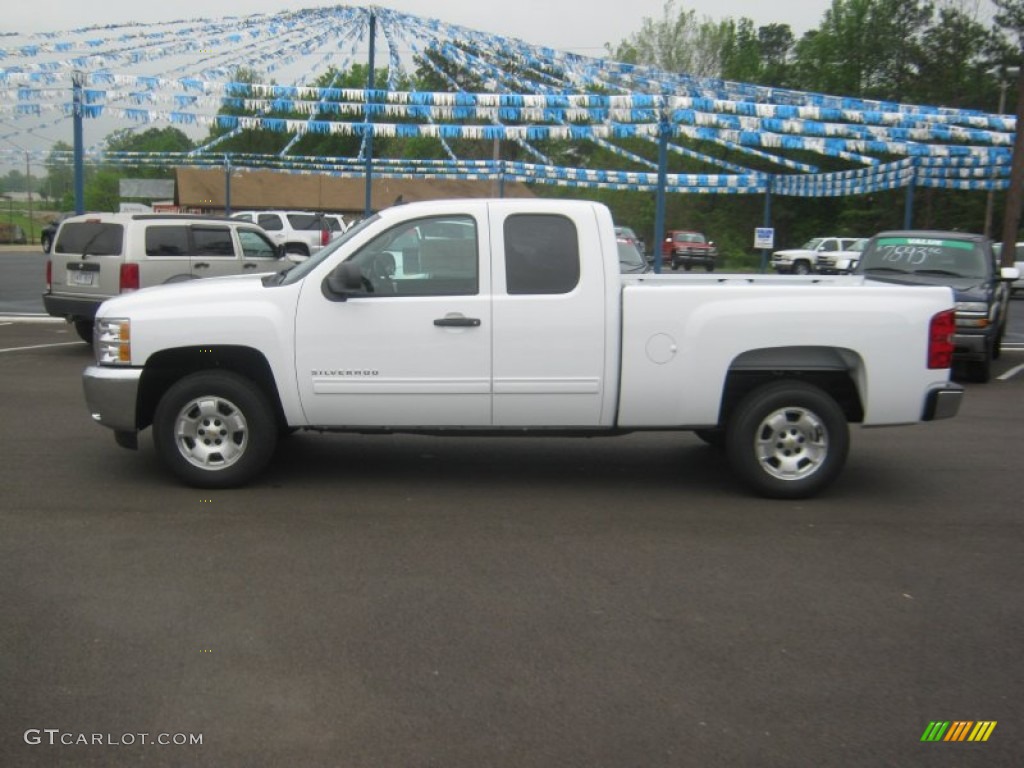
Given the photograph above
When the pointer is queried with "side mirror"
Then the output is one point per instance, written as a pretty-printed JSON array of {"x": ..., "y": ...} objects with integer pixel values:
[
  {"x": 1009, "y": 273},
  {"x": 343, "y": 282}
]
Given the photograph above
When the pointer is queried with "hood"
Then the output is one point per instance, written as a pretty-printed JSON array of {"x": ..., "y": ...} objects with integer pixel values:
[
  {"x": 964, "y": 288},
  {"x": 185, "y": 293}
]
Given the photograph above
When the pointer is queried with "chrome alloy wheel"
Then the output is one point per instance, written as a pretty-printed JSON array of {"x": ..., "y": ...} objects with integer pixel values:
[
  {"x": 791, "y": 443},
  {"x": 211, "y": 432}
]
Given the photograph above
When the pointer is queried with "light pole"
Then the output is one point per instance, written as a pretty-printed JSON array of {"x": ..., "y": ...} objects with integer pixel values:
[{"x": 1007, "y": 76}]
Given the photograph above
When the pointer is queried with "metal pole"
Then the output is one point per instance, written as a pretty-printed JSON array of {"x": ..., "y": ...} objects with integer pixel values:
[
  {"x": 767, "y": 219},
  {"x": 28, "y": 180},
  {"x": 79, "y": 150},
  {"x": 908, "y": 204},
  {"x": 368, "y": 207},
  {"x": 227, "y": 185},
  {"x": 990, "y": 198},
  {"x": 659, "y": 199},
  {"x": 1015, "y": 195}
]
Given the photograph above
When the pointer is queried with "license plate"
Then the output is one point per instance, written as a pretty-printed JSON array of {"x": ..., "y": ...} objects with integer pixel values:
[{"x": 83, "y": 278}]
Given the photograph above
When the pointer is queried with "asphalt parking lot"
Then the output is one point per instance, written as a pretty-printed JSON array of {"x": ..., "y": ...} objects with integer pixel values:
[{"x": 412, "y": 601}]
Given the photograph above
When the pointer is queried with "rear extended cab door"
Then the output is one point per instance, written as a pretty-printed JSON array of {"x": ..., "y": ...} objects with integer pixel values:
[{"x": 555, "y": 316}]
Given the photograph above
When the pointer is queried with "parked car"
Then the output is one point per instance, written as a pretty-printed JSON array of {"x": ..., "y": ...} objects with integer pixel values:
[
  {"x": 837, "y": 262},
  {"x": 48, "y": 233},
  {"x": 801, "y": 261},
  {"x": 688, "y": 249},
  {"x": 631, "y": 258},
  {"x": 1017, "y": 286},
  {"x": 12, "y": 234},
  {"x": 631, "y": 236},
  {"x": 965, "y": 263},
  {"x": 301, "y": 233},
  {"x": 100, "y": 255}
]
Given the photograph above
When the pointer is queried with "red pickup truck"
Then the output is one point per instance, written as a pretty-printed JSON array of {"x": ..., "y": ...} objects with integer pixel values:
[{"x": 687, "y": 249}]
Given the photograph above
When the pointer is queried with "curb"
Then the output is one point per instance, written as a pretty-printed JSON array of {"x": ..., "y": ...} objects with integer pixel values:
[{"x": 16, "y": 318}]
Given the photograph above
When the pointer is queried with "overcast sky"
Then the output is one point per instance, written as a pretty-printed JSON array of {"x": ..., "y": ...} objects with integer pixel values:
[{"x": 582, "y": 26}]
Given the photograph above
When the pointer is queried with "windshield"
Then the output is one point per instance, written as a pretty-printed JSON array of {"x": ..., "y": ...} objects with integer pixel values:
[
  {"x": 926, "y": 256},
  {"x": 298, "y": 272},
  {"x": 812, "y": 244},
  {"x": 630, "y": 259},
  {"x": 689, "y": 237}
]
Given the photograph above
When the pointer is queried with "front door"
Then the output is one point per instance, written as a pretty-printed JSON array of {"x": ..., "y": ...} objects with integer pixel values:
[{"x": 415, "y": 349}]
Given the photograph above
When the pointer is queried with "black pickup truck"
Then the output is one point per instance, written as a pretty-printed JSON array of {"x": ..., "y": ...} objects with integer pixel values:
[{"x": 964, "y": 262}]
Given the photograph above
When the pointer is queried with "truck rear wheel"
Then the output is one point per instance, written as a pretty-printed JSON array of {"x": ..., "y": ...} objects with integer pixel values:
[
  {"x": 787, "y": 440},
  {"x": 214, "y": 429}
]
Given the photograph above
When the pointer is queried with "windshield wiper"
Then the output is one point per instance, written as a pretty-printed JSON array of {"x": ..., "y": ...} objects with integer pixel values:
[
  {"x": 937, "y": 272},
  {"x": 887, "y": 269}
]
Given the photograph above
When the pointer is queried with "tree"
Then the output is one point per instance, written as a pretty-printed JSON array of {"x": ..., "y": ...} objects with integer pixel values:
[
  {"x": 864, "y": 48},
  {"x": 678, "y": 42}
]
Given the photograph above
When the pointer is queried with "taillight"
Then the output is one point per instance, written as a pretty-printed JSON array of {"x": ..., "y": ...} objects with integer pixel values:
[
  {"x": 325, "y": 236},
  {"x": 129, "y": 278},
  {"x": 49, "y": 275},
  {"x": 940, "y": 339}
]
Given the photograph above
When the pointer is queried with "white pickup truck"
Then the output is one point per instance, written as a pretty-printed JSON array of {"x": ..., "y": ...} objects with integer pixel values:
[{"x": 505, "y": 317}]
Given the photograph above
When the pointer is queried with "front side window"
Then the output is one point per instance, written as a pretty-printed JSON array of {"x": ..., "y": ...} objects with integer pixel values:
[
  {"x": 255, "y": 245},
  {"x": 542, "y": 254},
  {"x": 435, "y": 256},
  {"x": 167, "y": 241}
]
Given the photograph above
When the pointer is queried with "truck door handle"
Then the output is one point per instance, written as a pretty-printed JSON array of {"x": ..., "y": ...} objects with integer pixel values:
[
  {"x": 457, "y": 322},
  {"x": 248, "y": 266},
  {"x": 201, "y": 265}
]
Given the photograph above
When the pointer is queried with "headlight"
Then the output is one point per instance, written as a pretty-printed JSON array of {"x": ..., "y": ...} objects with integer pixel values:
[{"x": 113, "y": 341}]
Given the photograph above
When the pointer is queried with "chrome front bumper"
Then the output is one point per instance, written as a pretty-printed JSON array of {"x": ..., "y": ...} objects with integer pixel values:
[{"x": 111, "y": 395}]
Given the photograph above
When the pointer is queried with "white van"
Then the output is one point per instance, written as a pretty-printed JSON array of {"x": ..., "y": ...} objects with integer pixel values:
[{"x": 99, "y": 255}]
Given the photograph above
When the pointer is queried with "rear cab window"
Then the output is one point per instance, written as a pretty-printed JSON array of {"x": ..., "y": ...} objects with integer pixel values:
[
  {"x": 93, "y": 238},
  {"x": 542, "y": 254}
]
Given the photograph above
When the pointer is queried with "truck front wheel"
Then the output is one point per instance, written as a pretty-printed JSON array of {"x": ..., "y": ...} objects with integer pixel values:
[
  {"x": 214, "y": 429},
  {"x": 787, "y": 440}
]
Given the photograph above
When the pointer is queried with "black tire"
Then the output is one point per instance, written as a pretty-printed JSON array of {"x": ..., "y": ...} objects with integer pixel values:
[
  {"x": 713, "y": 437},
  {"x": 710, "y": 267},
  {"x": 981, "y": 370},
  {"x": 801, "y": 268},
  {"x": 787, "y": 440},
  {"x": 228, "y": 430},
  {"x": 84, "y": 330}
]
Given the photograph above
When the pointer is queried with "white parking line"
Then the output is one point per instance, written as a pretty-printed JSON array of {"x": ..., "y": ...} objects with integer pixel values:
[
  {"x": 1011, "y": 373},
  {"x": 42, "y": 346}
]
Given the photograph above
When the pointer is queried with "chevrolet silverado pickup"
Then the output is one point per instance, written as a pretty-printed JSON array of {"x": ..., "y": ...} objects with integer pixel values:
[{"x": 511, "y": 317}]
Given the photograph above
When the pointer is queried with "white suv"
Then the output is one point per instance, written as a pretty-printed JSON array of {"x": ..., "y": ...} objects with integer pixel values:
[
  {"x": 802, "y": 260},
  {"x": 301, "y": 233}
]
